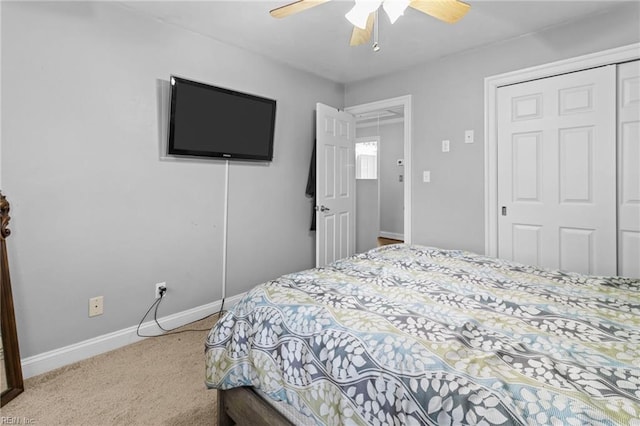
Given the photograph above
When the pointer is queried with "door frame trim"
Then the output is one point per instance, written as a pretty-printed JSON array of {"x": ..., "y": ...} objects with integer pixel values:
[
  {"x": 405, "y": 102},
  {"x": 626, "y": 53}
]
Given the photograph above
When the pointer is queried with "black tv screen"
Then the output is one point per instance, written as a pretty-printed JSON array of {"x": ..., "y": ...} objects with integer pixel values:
[{"x": 209, "y": 121}]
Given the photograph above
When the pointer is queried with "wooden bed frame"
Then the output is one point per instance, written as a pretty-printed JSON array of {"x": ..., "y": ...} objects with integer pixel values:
[{"x": 243, "y": 406}]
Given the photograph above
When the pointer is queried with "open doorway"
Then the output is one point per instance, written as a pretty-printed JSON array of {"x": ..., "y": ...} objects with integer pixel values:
[{"x": 383, "y": 170}]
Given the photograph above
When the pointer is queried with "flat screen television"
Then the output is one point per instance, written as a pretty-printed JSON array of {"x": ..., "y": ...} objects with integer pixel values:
[{"x": 210, "y": 121}]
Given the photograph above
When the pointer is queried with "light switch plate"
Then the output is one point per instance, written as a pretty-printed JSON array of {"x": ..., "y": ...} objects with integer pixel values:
[{"x": 426, "y": 176}]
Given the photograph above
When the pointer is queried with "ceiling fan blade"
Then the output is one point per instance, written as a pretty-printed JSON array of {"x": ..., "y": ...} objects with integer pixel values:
[
  {"x": 295, "y": 7},
  {"x": 449, "y": 11},
  {"x": 360, "y": 36}
]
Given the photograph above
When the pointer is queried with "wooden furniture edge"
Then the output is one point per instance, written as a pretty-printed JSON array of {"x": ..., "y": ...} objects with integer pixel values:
[
  {"x": 243, "y": 406},
  {"x": 13, "y": 367}
]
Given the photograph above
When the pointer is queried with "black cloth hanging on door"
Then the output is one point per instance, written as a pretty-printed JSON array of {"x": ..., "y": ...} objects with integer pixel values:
[{"x": 311, "y": 186}]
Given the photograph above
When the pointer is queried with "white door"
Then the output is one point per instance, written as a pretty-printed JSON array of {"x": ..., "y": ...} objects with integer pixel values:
[
  {"x": 335, "y": 185},
  {"x": 629, "y": 169},
  {"x": 557, "y": 172}
]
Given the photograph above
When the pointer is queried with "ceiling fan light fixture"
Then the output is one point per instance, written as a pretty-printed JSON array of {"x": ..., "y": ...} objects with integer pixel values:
[
  {"x": 395, "y": 8},
  {"x": 359, "y": 14}
]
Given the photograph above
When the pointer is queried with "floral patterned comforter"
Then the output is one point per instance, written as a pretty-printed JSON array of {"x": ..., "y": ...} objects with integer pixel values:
[{"x": 415, "y": 335}]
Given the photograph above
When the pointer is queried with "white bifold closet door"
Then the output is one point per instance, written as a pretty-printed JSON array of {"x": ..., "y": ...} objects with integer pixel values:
[
  {"x": 557, "y": 172},
  {"x": 629, "y": 169}
]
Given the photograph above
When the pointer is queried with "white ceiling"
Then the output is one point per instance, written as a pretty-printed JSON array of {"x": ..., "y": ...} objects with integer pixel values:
[{"x": 317, "y": 40}]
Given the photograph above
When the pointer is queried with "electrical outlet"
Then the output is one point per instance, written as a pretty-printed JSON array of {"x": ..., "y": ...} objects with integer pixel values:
[
  {"x": 468, "y": 136},
  {"x": 157, "y": 290},
  {"x": 96, "y": 306},
  {"x": 445, "y": 146}
]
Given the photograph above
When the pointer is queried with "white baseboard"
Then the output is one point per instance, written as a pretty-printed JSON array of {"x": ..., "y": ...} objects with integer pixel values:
[
  {"x": 47, "y": 361},
  {"x": 392, "y": 235}
]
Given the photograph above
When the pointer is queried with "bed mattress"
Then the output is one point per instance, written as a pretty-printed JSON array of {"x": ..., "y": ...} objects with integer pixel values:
[{"x": 417, "y": 335}]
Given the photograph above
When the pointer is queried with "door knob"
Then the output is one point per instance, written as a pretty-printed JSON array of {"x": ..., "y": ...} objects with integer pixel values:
[{"x": 324, "y": 209}]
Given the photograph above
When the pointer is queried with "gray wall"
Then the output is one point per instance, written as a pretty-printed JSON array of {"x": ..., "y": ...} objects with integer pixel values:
[
  {"x": 96, "y": 211},
  {"x": 447, "y": 99},
  {"x": 367, "y": 215}
]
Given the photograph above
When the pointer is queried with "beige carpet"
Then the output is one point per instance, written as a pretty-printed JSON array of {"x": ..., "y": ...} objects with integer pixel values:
[{"x": 158, "y": 381}]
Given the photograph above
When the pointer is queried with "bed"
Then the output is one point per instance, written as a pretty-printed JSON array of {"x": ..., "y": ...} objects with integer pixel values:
[{"x": 408, "y": 335}]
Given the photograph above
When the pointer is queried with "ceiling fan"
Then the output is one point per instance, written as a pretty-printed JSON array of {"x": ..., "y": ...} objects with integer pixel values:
[{"x": 364, "y": 11}]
